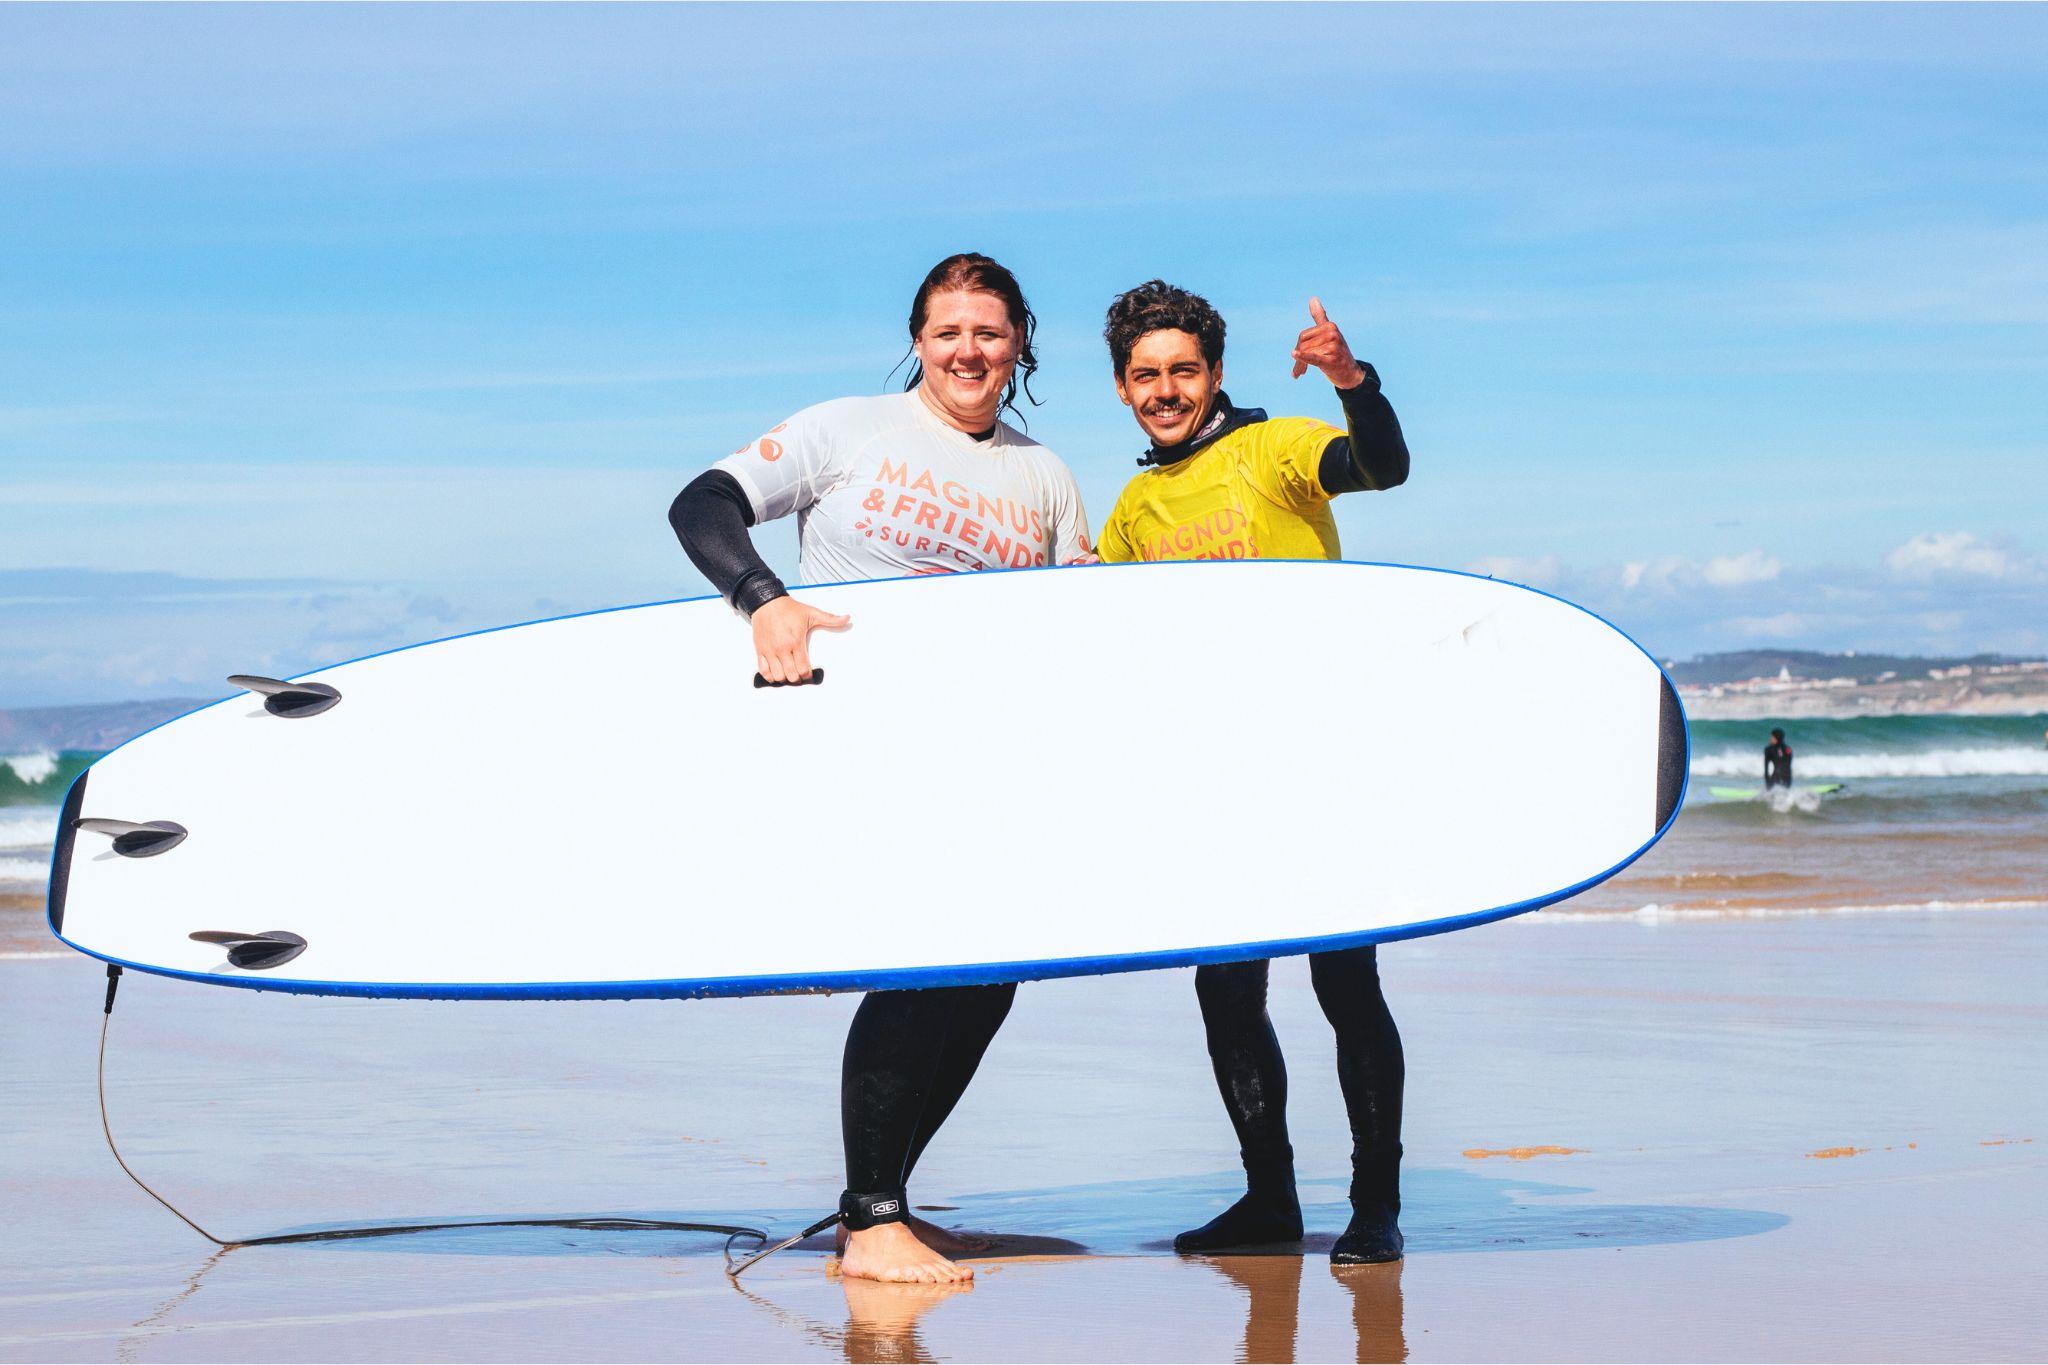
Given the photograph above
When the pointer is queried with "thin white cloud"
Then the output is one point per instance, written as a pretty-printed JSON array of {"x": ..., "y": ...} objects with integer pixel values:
[
  {"x": 1939, "y": 553},
  {"x": 1673, "y": 573},
  {"x": 1735, "y": 571},
  {"x": 1655, "y": 575},
  {"x": 1682, "y": 605},
  {"x": 110, "y": 637}
]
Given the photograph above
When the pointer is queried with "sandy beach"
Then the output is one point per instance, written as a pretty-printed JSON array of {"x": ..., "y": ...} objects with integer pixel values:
[{"x": 1815, "y": 1137}]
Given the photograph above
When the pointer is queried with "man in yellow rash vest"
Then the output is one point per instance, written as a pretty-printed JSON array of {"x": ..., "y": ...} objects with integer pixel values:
[{"x": 1224, "y": 482}]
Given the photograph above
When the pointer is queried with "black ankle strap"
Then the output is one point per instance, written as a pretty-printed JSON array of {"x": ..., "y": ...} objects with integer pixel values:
[{"x": 862, "y": 1211}]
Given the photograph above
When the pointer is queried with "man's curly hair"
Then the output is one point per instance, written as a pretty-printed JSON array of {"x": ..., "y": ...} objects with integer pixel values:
[{"x": 1156, "y": 306}]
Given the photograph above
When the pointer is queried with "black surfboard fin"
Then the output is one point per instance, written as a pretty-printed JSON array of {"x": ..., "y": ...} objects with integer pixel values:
[
  {"x": 254, "y": 951},
  {"x": 292, "y": 700},
  {"x": 137, "y": 840}
]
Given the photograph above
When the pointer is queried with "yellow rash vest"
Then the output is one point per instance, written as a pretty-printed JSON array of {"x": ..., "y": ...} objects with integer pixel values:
[{"x": 1253, "y": 487}]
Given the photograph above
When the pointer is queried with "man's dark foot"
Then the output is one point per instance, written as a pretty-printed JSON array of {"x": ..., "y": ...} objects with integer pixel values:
[
  {"x": 1373, "y": 1238},
  {"x": 1255, "y": 1220}
]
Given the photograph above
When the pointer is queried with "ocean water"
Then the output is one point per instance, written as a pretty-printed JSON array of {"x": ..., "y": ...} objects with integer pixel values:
[
  {"x": 1935, "y": 812},
  {"x": 32, "y": 787},
  {"x": 1877, "y": 747}
]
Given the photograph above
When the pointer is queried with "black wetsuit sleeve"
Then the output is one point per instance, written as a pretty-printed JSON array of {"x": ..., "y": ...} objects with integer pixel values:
[
  {"x": 711, "y": 516},
  {"x": 1371, "y": 455}
]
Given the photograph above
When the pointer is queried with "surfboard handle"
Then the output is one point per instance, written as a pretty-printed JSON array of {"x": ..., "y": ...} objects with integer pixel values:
[
  {"x": 133, "y": 839},
  {"x": 292, "y": 700},
  {"x": 737, "y": 1266},
  {"x": 817, "y": 676}
]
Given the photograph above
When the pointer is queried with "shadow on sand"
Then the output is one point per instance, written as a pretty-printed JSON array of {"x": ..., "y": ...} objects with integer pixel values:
[{"x": 1444, "y": 1211}]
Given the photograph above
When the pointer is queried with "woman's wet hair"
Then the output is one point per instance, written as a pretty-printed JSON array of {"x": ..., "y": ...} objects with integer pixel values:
[
  {"x": 973, "y": 273},
  {"x": 1156, "y": 306}
]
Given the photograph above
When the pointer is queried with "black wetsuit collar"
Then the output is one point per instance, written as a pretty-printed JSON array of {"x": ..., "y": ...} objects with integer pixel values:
[{"x": 1224, "y": 418}]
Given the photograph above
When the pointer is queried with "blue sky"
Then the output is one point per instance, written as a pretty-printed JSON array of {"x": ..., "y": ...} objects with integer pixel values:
[{"x": 323, "y": 330}]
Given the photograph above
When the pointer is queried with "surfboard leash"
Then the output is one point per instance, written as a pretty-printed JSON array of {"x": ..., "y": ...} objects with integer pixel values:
[
  {"x": 735, "y": 1267},
  {"x": 731, "y": 1232},
  {"x": 106, "y": 1023}
]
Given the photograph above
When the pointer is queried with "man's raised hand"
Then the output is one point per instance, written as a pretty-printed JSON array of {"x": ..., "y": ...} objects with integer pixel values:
[{"x": 1324, "y": 347}]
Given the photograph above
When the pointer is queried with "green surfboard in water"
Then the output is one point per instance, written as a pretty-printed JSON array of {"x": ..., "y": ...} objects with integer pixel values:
[{"x": 1756, "y": 793}]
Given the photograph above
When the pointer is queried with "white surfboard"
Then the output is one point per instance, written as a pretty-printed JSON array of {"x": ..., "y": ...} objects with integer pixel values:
[{"x": 1001, "y": 776}]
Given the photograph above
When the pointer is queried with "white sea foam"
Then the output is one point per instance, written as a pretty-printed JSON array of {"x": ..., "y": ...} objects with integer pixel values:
[
  {"x": 22, "y": 829},
  {"x": 1668, "y": 914},
  {"x": 32, "y": 768},
  {"x": 1784, "y": 799},
  {"x": 19, "y": 873},
  {"x": 2005, "y": 761},
  {"x": 27, "y": 827}
]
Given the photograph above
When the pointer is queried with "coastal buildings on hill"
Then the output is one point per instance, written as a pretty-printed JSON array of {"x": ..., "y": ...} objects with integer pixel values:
[{"x": 1753, "y": 684}]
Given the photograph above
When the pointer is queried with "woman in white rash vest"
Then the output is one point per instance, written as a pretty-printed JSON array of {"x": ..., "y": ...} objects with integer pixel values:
[{"x": 930, "y": 480}]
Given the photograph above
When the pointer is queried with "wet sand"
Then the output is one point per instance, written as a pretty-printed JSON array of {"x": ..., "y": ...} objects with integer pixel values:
[{"x": 1805, "y": 1138}]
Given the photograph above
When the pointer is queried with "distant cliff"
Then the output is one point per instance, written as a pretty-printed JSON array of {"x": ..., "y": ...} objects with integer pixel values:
[
  {"x": 1959, "y": 690},
  {"x": 93, "y": 729},
  {"x": 1806, "y": 665}
]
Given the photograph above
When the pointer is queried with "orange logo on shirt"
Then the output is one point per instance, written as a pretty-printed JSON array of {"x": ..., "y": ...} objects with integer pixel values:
[
  {"x": 964, "y": 524},
  {"x": 1206, "y": 537},
  {"x": 771, "y": 451}
]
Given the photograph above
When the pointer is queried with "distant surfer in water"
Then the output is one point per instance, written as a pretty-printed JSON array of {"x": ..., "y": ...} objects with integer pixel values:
[
  {"x": 1777, "y": 762},
  {"x": 930, "y": 480},
  {"x": 1224, "y": 482}
]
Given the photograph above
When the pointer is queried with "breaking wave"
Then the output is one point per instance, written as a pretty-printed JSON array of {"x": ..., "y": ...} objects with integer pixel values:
[
  {"x": 2004, "y": 761},
  {"x": 40, "y": 777}
]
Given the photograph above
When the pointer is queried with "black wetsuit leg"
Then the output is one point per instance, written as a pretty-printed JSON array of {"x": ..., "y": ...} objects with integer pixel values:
[
  {"x": 978, "y": 1012},
  {"x": 1372, "y": 1073},
  {"x": 909, "y": 1057},
  {"x": 1252, "y": 1075},
  {"x": 892, "y": 1059}
]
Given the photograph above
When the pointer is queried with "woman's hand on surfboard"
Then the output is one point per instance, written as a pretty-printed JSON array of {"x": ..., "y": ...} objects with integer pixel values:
[
  {"x": 1323, "y": 346},
  {"x": 782, "y": 637}
]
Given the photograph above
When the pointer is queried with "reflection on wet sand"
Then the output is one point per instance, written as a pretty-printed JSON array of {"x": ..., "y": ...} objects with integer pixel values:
[
  {"x": 1272, "y": 1286},
  {"x": 125, "y": 1349},
  {"x": 1272, "y": 1311},
  {"x": 1375, "y": 1309},
  {"x": 881, "y": 1319}
]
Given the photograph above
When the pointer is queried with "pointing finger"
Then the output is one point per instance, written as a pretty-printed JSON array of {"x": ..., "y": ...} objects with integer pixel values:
[{"x": 1315, "y": 310}]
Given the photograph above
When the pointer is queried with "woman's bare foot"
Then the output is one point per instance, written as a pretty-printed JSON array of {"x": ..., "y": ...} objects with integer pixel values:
[
  {"x": 893, "y": 1253},
  {"x": 942, "y": 1240}
]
